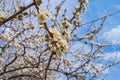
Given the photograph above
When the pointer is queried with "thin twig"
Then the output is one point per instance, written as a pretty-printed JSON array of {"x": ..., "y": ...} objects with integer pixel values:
[
  {"x": 14, "y": 15},
  {"x": 36, "y": 5},
  {"x": 50, "y": 59},
  {"x": 94, "y": 20}
]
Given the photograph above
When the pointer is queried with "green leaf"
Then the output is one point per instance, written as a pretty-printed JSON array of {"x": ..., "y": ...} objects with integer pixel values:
[
  {"x": 25, "y": 13},
  {"x": 83, "y": 78},
  {"x": 0, "y": 53},
  {"x": 22, "y": 7},
  {"x": 20, "y": 17},
  {"x": 47, "y": 37}
]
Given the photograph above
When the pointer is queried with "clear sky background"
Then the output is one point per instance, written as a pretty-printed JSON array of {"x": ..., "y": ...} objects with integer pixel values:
[{"x": 98, "y": 8}]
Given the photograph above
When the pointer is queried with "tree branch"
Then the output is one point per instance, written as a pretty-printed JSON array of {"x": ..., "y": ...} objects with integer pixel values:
[{"x": 14, "y": 15}]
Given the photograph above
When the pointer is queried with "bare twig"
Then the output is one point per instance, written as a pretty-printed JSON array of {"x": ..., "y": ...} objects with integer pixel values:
[
  {"x": 36, "y": 5},
  {"x": 94, "y": 20},
  {"x": 50, "y": 59}
]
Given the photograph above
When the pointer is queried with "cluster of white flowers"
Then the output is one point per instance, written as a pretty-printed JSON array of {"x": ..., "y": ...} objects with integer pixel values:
[
  {"x": 80, "y": 8},
  {"x": 56, "y": 34},
  {"x": 7, "y": 35},
  {"x": 61, "y": 43}
]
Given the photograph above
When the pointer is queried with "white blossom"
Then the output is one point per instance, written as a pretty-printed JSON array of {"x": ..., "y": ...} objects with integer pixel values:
[{"x": 44, "y": 14}]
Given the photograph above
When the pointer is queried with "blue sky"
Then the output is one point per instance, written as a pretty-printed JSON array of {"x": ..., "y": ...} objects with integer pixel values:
[{"x": 98, "y": 8}]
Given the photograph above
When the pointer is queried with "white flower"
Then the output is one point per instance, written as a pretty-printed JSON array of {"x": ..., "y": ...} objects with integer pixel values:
[
  {"x": 27, "y": 36},
  {"x": 86, "y": 1},
  {"x": 68, "y": 32},
  {"x": 55, "y": 31},
  {"x": 56, "y": 37},
  {"x": 59, "y": 54},
  {"x": 5, "y": 36},
  {"x": 17, "y": 45},
  {"x": 36, "y": 43},
  {"x": 17, "y": 33},
  {"x": 65, "y": 49},
  {"x": 52, "y": 18},
  {"x": 63, "y": 44},
  {"x": 42, "y": 18},
  {"x": 25, "y": 70},
  {"x": 30, "y": 44},
  {"x": 6, "y": 50},
  {"x": 78, "y": 14},
  {"x": 42, "y": 26},
  {"x": 83, "y": 7},
  {"x": 3, "y": 14},
  {"x": 44, "y": 14},
  {"x": 56, "y": 34}
]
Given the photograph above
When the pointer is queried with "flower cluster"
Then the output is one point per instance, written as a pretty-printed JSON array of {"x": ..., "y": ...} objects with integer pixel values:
[{"x": 60, "y": 41}]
